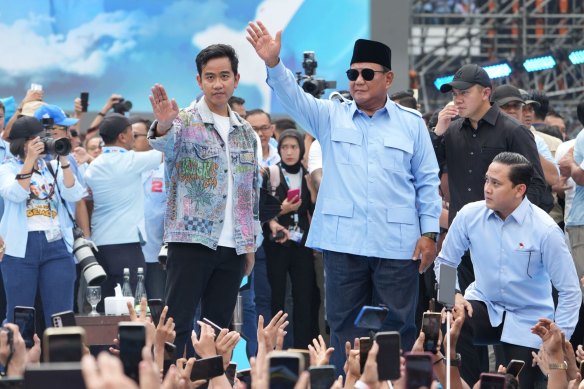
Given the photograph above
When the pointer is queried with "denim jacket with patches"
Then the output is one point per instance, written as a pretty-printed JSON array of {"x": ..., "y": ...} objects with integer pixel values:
[{"x": 196, "y": 179}]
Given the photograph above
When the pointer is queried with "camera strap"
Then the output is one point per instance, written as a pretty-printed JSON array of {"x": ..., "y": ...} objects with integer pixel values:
[{"x": 54, "y": 174}]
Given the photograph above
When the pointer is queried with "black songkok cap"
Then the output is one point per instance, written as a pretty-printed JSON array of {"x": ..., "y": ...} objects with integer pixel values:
[{"x": 371, "y": 51}]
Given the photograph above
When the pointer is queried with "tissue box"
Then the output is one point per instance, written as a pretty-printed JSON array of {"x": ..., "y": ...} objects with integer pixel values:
[{"x": 117, "y": 305}]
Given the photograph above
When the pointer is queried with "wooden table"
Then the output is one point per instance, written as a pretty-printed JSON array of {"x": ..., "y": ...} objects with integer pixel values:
[{"x": 102, "y": 329}]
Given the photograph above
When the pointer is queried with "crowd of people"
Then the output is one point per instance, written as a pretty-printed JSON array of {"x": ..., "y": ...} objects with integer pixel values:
[{"x": 362, "y": 208}]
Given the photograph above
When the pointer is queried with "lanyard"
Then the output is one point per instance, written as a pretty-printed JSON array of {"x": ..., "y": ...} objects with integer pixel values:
[{"x": 113, "y": 149}]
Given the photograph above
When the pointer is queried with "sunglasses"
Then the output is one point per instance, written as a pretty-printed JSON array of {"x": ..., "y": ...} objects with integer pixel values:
[{"x": 367, "y": 74}]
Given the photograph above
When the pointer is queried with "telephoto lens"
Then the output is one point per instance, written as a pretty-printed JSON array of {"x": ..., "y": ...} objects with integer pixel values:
[
  {"x": 84, "y": 256},
  {"x": 60, "y": 146}
]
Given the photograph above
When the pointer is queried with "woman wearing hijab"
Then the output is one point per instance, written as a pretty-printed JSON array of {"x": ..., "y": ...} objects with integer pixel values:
[{"x": 293, "y": 257}]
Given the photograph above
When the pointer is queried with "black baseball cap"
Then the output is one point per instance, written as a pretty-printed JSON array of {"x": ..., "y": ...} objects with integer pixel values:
[
  {"x": 504, "y": 94},
  {"x": 25, "y": 127},
  {"x": 467, "y": 76}
]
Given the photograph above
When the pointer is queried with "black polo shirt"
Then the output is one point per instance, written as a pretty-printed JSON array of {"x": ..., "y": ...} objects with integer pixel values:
[{"x": 468, "y": 153}]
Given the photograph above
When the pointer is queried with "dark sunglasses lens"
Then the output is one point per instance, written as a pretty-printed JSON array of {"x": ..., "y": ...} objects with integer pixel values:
[
  {"x": 367, "y": 74},
  {"x": 352, "y": 74}
]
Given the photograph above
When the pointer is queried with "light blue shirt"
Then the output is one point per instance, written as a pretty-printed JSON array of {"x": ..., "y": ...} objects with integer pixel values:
[
  {"x": 115, "y": 181},
  {"x": 380, "y": 190},
  {"x": 514, "y": 260},
  {"x": 4, "y": 155},
  {"x": 576, "y": 215},
  {"x": 154, "y": 209},
  {"x": 14, "y": 226}
]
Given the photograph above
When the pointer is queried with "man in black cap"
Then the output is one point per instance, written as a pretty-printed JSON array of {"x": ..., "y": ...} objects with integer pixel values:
[
  {"x": 510, "y": 100},
  {"x": 376, "y": 218},
  {"x": 117, "y": 221},
  {"x": 468, "y": 145}
]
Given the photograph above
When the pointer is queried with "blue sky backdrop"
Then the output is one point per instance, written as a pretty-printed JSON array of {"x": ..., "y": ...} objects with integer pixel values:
[{"x": 114, "y": 46}]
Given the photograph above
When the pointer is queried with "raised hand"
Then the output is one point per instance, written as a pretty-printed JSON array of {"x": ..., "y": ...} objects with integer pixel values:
[
  {"x": 165, "y": 110},
  {"x": 267, "y": 47}
]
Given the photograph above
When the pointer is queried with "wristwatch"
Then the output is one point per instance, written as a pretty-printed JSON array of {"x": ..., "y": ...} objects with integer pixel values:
[
  {"x": 558, "y": 366},
  {"x": 454, "y": 362},
  {"x": 431, "y": 235}
]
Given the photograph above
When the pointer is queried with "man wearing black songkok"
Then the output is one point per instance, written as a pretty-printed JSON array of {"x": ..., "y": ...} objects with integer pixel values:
[{"x": 376, "y": 218}]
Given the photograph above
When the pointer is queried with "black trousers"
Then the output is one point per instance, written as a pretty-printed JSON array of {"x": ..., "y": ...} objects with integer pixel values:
[
  {"x": 114, "y": 258},
  {"x": 478, "y": 330},
  {"x": 197, "y": 273},
  {"x": 297, "y": 261}
]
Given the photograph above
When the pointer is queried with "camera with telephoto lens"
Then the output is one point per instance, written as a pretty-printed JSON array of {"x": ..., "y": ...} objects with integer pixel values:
[
  {"x": 85, "y": 257},
  {"x": 60, "y": 146},
  {"x": 314, "y": 86},
  {"x": 122, "y": 106}
]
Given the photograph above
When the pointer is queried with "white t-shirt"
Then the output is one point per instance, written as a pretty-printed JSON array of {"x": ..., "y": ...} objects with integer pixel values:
[
  {"x": 226, "y": 238},
  {"x": 314, "y": 157},
  {"x": 41, "y": 207}
]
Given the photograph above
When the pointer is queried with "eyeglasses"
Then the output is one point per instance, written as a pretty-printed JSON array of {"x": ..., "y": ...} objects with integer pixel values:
[
  {"x": 367, "y": 74},
  {"x": 265, "y": 128}
]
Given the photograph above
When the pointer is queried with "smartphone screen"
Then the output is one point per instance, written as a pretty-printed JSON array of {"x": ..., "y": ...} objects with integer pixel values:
[
  {"x": 514, "y": 367},
  {"x": 418, "y": 370},
  {"x": 447, "y": 285},
  {"x": 293, "y": 193},
  {"x": 84, "y": 101},
  {"x": 64, "y": 347},
  {"x": 492, "y": 381},
  {"x": 322, "y": 377},
  {"x": 207, "y": 368},
  {"x": 388, "y": 364},
  {"x": 284, "y": 371},
  {"x": 365, "y": 344},
  {"x": 24, "y": 318},
  {"x": 371, "y": 318},
  {"x": 132, "y": 337},
  {"x": 156, "y": 308},
  {"x": 64, "y": 319},
  {"x": 431, "y": 327}
]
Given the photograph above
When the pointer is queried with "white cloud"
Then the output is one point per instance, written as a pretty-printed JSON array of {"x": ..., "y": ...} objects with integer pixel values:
[
  {"x": 85, "y": 50},
  {"x": 275, "y": 14}
]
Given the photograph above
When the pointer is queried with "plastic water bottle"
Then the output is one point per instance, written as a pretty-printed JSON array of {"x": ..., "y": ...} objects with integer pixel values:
[
  {"x": 140, "y": 288},
  {"x": 126, "y": 288}
]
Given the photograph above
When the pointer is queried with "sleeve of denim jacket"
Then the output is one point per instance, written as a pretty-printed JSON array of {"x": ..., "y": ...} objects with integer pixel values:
[
  {"x": 166, "y": 143},
  {"x": 10, "y": 189},
  {"x": 311, "y": 113}
]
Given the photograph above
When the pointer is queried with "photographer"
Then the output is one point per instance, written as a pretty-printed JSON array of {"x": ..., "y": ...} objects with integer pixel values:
[
  {"x": 292, "y": 257},
  {"x": 35, "y": 225}
]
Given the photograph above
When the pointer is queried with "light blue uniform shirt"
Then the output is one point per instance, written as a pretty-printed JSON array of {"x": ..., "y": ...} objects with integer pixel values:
[
  {"x": 576, "y": 215},
  {"x": 154, "y": 209},
  {"x": 514, "y": 260},
  {"x": 380, "y": 190},
  {"x": 115, "y": 181}
]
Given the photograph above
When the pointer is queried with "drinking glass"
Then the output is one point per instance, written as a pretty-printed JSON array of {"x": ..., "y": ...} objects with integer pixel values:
[{"x": 93, "y": 298}]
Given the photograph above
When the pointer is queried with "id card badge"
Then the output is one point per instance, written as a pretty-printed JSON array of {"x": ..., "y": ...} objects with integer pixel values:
[
  {"x": 53, "y": 234},
  {"x": 295, "y": 234}
]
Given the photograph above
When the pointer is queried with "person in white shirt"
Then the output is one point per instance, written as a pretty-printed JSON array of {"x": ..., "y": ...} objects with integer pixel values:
[
  {"x": 115, "y": 181},
  {"x": 261, "y": 122}
]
